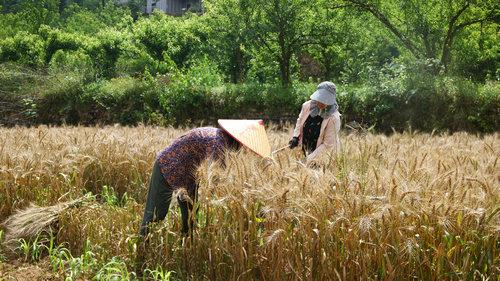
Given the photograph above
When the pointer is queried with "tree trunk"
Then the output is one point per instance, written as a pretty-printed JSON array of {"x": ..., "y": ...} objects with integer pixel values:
[
  {"x": 481, "y": 38},
  {"x": 237, "y": 73},
  {"x": 285, "y": 70},
  {"x": 429, "y": 48},
  {"x": 284, "y": 59},
  {"x": 450, "y": 36},
  {"x": 446, "y": 57}
]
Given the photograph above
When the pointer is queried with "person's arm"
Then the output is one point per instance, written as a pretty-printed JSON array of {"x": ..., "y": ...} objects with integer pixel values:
[
  {"x": 331, "y": 139},
  {"x": 294, "y": 141},
  {"x": 296, "y": 131}
]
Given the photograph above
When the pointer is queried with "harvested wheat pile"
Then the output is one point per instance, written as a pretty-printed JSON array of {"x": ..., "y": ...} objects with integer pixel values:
[{"x": 31, "y": 222}]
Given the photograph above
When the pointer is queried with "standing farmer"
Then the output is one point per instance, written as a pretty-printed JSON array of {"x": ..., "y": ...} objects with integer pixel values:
[
  {"x": 318, "y": 125},
  {"x": 176, "y": 165}
]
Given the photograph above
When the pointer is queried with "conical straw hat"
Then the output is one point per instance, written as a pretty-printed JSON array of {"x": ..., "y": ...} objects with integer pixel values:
[{"x": 250, "y": 133}]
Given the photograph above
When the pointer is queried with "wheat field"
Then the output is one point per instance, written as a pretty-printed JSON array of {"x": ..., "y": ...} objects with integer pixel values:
[{"x": 409, "y": 206}]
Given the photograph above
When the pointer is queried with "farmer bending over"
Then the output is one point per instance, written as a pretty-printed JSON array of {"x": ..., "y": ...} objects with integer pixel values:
[{"x": 176, "y": 165}]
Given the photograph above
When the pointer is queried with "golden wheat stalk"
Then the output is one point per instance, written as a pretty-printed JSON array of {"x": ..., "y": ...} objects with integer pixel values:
[{"x": 34, "y": 220}]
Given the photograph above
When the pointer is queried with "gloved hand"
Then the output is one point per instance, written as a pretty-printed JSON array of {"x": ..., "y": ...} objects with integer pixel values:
[
  {"x": 293, "y": 142},
  {"x": 313, "y": 165}
]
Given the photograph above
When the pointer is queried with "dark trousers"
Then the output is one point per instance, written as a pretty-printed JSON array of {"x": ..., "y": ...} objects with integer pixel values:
[{"x": 158, "y": 203}]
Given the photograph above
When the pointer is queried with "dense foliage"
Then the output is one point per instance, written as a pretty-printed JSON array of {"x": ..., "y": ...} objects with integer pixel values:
[{"x": 426, "y": 65}]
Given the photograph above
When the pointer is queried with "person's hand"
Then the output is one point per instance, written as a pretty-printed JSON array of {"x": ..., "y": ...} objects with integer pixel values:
[
  {"x": 314, "y": 165},
  {"x": 293, "y": 142}
]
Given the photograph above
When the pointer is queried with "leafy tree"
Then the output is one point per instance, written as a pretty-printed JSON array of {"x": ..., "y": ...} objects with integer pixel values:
[
  {"x": 229, "y": 35},
  {"x": 136, "y": 7},
  {"x": 31, "y": 14},
  {"x": 84, "y": 20},
  {"x": 428, "y": 29},
  {"x": 283, "y": 28},
  {"x": 476, "y": 53},
  {"x": 166, "y": 37}
]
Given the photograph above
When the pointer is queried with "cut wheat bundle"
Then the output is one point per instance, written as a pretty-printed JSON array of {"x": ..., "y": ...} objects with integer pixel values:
[{"x": 33, "y": 221}]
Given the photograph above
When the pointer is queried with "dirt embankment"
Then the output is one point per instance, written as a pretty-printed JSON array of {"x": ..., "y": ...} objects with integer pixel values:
[{"x": 19, "y": 270}]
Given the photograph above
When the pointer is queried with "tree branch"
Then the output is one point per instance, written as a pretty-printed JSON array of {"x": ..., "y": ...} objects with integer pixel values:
[
  {"x": 490, "y": 17},
  {"x": 339, "y": 7},
  {"x": 387, "y": 23},
  {"x": 445, "y": 55},
  {"x": 263, "y": 41},
  {"x": 453, "y": 29}
]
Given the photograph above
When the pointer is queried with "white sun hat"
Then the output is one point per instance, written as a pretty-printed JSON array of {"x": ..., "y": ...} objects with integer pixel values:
[
  {"x": 325, "y": 93},
  {"x": 250, "y": 133}
]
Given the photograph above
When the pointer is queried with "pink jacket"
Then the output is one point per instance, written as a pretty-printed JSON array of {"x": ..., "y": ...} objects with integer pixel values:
[{"x": 328, "y": 136}]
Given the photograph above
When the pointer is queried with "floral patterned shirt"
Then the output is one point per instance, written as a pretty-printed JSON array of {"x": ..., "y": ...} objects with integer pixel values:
[{"x": 179, "y": 161}]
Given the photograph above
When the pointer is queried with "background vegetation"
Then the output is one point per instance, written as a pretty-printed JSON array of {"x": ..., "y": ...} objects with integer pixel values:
[{"x": 425, "y": 65}]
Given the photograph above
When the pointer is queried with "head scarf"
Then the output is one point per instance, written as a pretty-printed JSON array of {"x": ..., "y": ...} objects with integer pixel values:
[{"x": 328, "y": 111}]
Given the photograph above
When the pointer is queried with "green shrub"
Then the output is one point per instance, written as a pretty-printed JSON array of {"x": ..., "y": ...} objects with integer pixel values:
[
  {"x": 71, "y": 61},
  {"x": 134, "y": 61},
  {"x": 73, "y": 99},
  {"x": 60, "y": 99},
  {"x": 25, "y": 48},
  {"x": 189, "y": 98},
  {"x": 107, "y": 51},
  {"x": 443, "y": 103},
  {"x": 56, "y": 39},
  {"x": 18, "y": 88},
  {"x": 123, "y": 99},
  {"x": 103, "y": 48},
  {"x": 163, "y": 36},
  {"x": 485, "y": 117},
  {"x": 12, "y": 24},
  {"x": 82, "y": 21},
  {"x": 417, "y": 97},
  {"x": 398, "y": 101}
]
